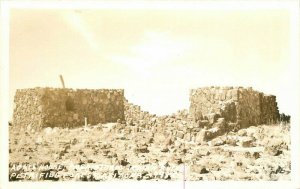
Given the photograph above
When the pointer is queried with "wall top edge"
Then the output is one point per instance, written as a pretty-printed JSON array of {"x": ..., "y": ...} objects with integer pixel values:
[{"x": 67, "y": 89}]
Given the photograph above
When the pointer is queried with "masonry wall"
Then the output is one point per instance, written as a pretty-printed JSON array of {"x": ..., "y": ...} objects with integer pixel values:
[
  {"x": 67, "y": 107},
  {"x": 243, "y": 106},
  {"x": 249, "y": 107},
  {"x": 27, "y": 110},
  {"x": 269, "y": 110},
  {"x": 134, "y": 114},
  {"x": 214, "y": 100}
]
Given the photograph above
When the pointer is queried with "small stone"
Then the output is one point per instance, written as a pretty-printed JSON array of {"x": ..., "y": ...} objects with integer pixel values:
[
  {"x": 246, "y": 142},
  {"x": 273, "y": 151},
  {"x": 242, "y": 132},
  {"x": 199, "y": 169},
  {"x": 216, "y": 142},
  {"x": 165, "y": 150},
  {"x": 180, "y": 134}
]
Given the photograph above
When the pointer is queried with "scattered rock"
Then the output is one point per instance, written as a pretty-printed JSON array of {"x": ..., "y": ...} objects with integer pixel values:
[
  {"x": 199, "y": 169},
  {"x": 216, "y": 142},
  {"x": 273, "y": 150},
  {"x": 246, "y": 142},
  {"x": 242, "y": 132}
]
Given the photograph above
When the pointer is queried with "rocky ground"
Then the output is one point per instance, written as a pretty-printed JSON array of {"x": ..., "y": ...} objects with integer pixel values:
[{"x": 137, "y": 151}]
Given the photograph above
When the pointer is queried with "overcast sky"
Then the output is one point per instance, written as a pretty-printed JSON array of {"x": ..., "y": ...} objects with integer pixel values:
[{"x": 155, "y": 55}]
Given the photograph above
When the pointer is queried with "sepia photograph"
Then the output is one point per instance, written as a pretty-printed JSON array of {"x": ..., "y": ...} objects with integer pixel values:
[{"x": 150, "y": 94}]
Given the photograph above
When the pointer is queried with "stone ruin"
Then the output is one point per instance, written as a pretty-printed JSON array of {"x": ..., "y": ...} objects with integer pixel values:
[
  {"x": 138, "y": 139},
  {"x": 61, "y": 107},
  {"x": 241, "y": 106},
  {"x": 213, "y": 111},
  {"x": 224, "y": 109}
]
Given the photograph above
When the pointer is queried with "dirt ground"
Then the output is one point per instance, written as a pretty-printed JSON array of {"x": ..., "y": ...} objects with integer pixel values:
[{"x": 117, "y": 151}]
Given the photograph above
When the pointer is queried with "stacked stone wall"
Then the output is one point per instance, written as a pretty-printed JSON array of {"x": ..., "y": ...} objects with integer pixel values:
[
  {"x": 242, "y": 106},
  {"x": 134, "y": 115},
  {"x": 226, "y": 108},
  {"x": 248, "y": 107},
  {"x": 51, "y": 107},
  {"x": 214, "y": 100},
  {"x": 269, "y": 110},
  {"x": 27, "y": 109}
]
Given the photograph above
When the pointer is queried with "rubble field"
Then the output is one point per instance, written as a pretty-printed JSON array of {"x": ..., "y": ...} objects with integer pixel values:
[{"x": 152, "y": 150}]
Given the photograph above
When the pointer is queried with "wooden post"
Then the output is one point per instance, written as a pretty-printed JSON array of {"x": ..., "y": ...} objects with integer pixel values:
[{"x": 62, "y": 81}]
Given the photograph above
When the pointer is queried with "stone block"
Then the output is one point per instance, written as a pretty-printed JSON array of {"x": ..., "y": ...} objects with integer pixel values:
[{"x": 180, "y": 134}]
